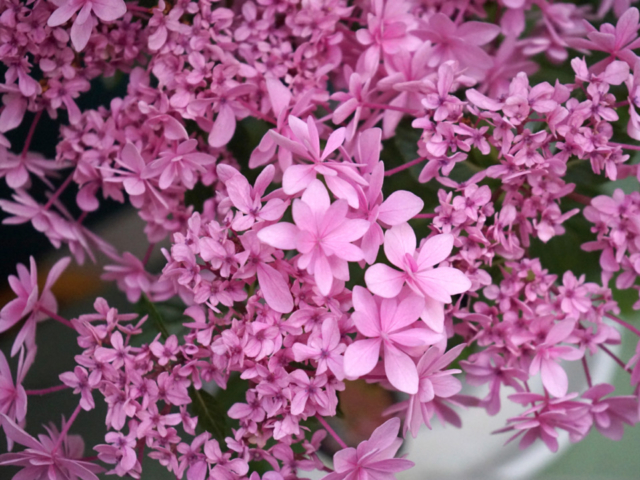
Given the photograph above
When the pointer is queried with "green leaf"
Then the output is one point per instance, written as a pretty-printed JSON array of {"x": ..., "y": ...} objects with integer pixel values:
[
  {"x": 211, "y": 415},
  {"x": 146, "y": 307}
]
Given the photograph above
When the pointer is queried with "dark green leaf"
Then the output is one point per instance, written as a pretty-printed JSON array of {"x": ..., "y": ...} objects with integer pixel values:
[
  {"x": 211, "y": 415},
  {"x": 146, "y": 307}
]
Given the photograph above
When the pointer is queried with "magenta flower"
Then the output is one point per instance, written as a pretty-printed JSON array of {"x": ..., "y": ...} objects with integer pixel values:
[
  {"x": 105, "y": 10},
  {"x": 13, "y": 397},
  {"x": 400, "y": 207},
  {"x": 30, "y": 302},
  {"x": 554, "y": 378},
  {"x": 248, "y": 200},
  {"x": 612, "y": 413},
  {"x": 434, "y": 382},
  {"x": 51, "y": 457},
  {"x": 436, "y": 285},
  {"x": 325, "y": 348},
  {"x": 338, "y": 175},
  {"x": 81, "y": 383},
  {"x": 322, "y": 234},
  {"x": 373, "y": 458},
  {"x": 386, "y": 323},
  {"x": 459, "y": 42},
  {"x": 619, "y": 41}
]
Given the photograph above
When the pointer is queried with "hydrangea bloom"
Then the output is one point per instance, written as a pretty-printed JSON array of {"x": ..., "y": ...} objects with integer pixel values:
[{"x": 270, "y": 149}]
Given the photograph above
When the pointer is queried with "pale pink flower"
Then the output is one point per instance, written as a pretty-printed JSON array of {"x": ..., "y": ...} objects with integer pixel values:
[
  {"x": 30, "y": 302},
  {"x": 49, "y": 457},
  {"x": 554, "y": 378},
  {"x": 373, "y": 458},
  {"x": 339, "y": 176},
  {"x": 13, "y": 397},
  {"x": 459, "y": 42},
  {"x": 81, "y": 383},
  {"x": 386, "y": 324},
  {"x": 325, "y": 348},
  {"x": 611, "y": 414},
  {"x": 248, "y": 200},
  {"x": 322, "y": 234},
  {"x": 436, "y": 285},
  {"x": 105, "y": 10}
]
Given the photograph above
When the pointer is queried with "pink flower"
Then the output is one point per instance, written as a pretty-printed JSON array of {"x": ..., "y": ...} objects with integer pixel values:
[
  {"x": 52, "y": 457},
  {"x": 434, "y": 382},
  {"x": 105, "y": 10},
  {"x": 322, "y": 234},
  {"x": 324, "y": 347},
  {"x": 619, "y": 41},
  {"x": 399, "y": 207},
  {"x": 81, "y": 383},
  {"x": 436, "y": 285},
  {"x": 248, "y": 200},
  {"x": 554, "y": 378},
  {"x": 13, "y": 397},
  {"x": 30, "y": 302},
  {"x": 373, "y": 458},
  {"x": 459, "y": 42},
  {"x": 309, "y": 396},
  {"x": 386, "y": 323},
  {"x": 338, "y": 175},
  {"x": 611, "y": 414}
]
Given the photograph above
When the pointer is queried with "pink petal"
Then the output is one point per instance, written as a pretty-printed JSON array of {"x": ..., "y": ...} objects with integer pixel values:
[
  {"x": 478, "y": 33},
  {"x": 342, "y": 189},
  {"x": 402, "y": 315},
  {"x": 361, "y": 357},
  {"x": 108, "y": 10},
  {"x": 274, "y": 288},
  {"x": 281, "y": 235},
  {"x": 316, "y": 196},
  {"x": 400, "y": 207},
  {"x": 435, "y": 250},
  {"x": 335, "y": 140},
  {"x": 323, "y": 274},
  {"x": 384, "y": 281},
  {"x": 399, "y": 241},
  {"x": 297, "y": 177},
  {"x": 554, "y": 378},
  {"x": 279, "y": 95},
  {"x": 80, "y": 34},
  {"x": 433, "y": 314},
  {"x": 224, "y": 127},
  {"x": 56, "y": 271},
  {"x": 239, "y": 192},
  {"x": 482, "y": 101},
  {"x": 63, "y": 13},
  {"x": 400, "y": 369},
  {"x": 15, "y": 433},
  {"x": 452, "y": 280}
]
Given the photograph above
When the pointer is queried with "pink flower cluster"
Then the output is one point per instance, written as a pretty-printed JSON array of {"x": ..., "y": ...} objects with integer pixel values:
[{"x": 341, "y": 191}]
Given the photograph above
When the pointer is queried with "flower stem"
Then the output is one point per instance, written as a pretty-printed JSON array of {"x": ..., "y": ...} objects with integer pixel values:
[
  {"x": 32, "y": 129},
  {"x": 614, "y": 357},
  {"x": 583, "y": 199},
  {"x": 58, "y": 192},
  {"x": 410, "y": 164},
  {"x": 331, "y": 431},
  {"x": 625, "y": 146},
  {"x": 147, "y": 255},
  {"x": 380, "y": 106},
  {"x": 66, "y": 428},
  {"x": 57, "y": 317},
  {"x": 46, "y": 391},
  {"x": 626, "y": 325},
  {"x": 586, "y": 371}
]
